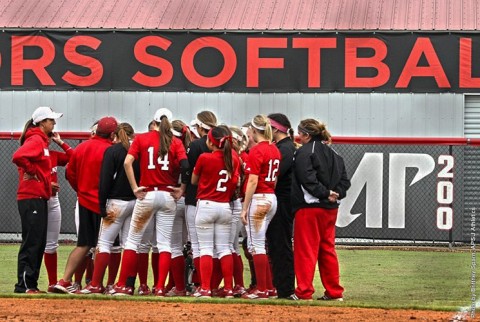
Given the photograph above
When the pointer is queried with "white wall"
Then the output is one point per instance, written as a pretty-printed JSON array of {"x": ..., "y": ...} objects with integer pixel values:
[{"x": 346, "y": 114}]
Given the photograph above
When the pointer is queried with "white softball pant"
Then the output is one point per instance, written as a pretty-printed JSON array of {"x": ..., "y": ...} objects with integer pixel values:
[
  {"x": 149, "y": 239},
  {"x": 179, "y": 230},
  {"x": 53, "y": 225},
  {"x": 261, "y": 211},
  {"x": 117, "y": 222},
  {"x": 190, "y": 212},
  {"x": 213, "y": 223},
  {"x": 159, "y": 205},
  {"x": 236, "y": 225}
]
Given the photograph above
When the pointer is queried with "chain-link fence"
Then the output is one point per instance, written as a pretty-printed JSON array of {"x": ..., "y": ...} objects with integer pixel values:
[{"x": 400, "y": 194}]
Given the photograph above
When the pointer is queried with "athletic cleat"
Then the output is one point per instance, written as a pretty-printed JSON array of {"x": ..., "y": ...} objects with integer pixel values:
[
  {"x": 272, "y": 294},
  {"x": 238, "y": 291},
  {"x": 66, "y": 287},
  {"x": 228, "y": 294},
  {"x": 174, "y": 293},
  {"x": 121, "y": 290},
  {"x": 144, "y": 290},
  {"x": 293, "y": 297},
  {"x": 51, "y": 288},
  {"x": 328, "y": 298},
  {"x": 201, "y": 293},
  {"x": 34, "y": 291},
  {"x": 160, "y": 293},
  {"x": 108, "y": 289},
  {"x": 90, "y": 289},
  {"x": 218, "y": 292},
  {"x": 256, "y": 295}
]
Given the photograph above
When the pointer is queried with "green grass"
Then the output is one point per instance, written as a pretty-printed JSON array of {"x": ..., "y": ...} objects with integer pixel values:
[{"x": 371, "y": 277}]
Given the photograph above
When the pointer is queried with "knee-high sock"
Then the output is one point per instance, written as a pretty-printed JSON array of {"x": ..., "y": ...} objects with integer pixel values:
[
  {"x": 238, "y": 270},
  {"x": 142, "y": 267},
  {"x": 178, "y": 272},
  {"x": 226, "y": 263},
  {"x": 113, "y": 266},
  {"x": 197, "y": 276},
  {"x": 216, "y": 274},
  {"x": 269, "y": 280},
  {"x": 128, "y": 268},
  {"x": 155, "y": 259},
  {"x": 101, "y": 263},
  {"x": 89, "y": 269},
  {"x": 80, "y": 271},
  {"x": 164, "y": 260},
  {"x": 261, "y": 262},
  {"x": 206, "y": 267},
  {"x": 51, "y": 266}
]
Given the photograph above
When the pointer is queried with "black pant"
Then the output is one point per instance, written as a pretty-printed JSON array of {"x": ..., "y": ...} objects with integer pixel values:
[
  {"x": 279, "y": 239},
  {"x": 34, "y": 217}
]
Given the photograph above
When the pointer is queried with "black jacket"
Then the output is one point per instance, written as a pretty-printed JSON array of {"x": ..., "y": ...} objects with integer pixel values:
[
  {"x": 284, "y": 180},
  {"x": 113, "y": 179},
  {"x": 194, "y": 151},
  {"x": 318, "y": 169}
]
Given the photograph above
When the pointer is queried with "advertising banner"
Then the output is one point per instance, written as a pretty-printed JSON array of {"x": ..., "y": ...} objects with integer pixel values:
[{"x": 239, "y": 62}]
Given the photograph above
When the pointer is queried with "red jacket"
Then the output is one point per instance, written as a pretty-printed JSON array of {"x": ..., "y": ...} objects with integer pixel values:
[
  {"x": 59, "y": 159},
  {"x": 33, "y": 158},
  {"x": 83, "y": 171}
]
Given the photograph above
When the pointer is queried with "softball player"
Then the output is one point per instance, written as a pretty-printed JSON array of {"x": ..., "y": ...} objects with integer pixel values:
[
  {"x": 239, "y": 145},
  {"x": 260, "y": 203},
  {"x": 161, "y": 156},
  {"x": 179, "y": 230},
  {"x": 116, "y": 204},
  {"x": 204, "y": 121},
  {"x": 217, "y": 175},
  {"x": 54, "y": 211}
]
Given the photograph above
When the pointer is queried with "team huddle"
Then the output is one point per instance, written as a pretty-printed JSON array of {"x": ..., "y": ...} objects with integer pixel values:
[{"x": 201, "y": 184}]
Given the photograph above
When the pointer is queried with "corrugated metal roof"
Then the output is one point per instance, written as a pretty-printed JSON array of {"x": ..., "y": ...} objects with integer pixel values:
[{"x": 245, "y": 15}]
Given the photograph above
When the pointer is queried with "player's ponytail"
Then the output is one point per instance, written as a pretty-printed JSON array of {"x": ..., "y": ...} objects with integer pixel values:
[
  {"x": 183, "y": 131},
  {"x": 27, "y": 126},
  {"x": 262, "y": 125},
  {"x": 124, "y": 133},
  {"x": 221, "y": 137},
  {"x": 166, "y": 136}
]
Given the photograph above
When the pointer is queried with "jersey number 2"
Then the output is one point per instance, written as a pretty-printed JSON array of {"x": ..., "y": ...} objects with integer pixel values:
[
  {"x": 223, "y": 179},
  {"x": 163, "y": 162}
]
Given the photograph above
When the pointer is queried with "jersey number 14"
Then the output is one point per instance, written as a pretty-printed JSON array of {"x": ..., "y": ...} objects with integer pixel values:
[{"x": 160, "y": 161}]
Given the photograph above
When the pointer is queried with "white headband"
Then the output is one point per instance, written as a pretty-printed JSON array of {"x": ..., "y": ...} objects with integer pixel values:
[
  {"x": 176, "y": 133},
  {"x": 201, "y": 124},
  {"x": 261, "y": 128},
  {"x": 236, "y": 136}
]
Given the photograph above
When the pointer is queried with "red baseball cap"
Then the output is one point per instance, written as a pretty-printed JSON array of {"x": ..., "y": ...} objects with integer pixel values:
[{"x": 107, "y": 125}]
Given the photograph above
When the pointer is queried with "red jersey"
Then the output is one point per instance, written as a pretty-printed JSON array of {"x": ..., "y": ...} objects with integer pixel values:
[
  {"x": 83, "y": 171},
  {"x": 264, "y": 161},
  {"x": 156, "y": 171},
  {"x": 214, "y": 183},
  {"x": 33, "y": 157}
]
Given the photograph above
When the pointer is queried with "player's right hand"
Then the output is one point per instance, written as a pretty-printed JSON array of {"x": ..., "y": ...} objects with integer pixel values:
[{"x": 140, "y": 193}]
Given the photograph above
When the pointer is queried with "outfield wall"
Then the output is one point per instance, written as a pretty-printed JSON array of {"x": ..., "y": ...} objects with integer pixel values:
[{"x": 408, "y": 189}]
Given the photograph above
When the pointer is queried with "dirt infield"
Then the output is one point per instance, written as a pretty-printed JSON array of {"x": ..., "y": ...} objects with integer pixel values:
[{"x": 53, "y": 309}]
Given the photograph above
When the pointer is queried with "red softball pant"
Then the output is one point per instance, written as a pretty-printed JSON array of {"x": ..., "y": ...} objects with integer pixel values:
[{"x": 314, "y": 240}]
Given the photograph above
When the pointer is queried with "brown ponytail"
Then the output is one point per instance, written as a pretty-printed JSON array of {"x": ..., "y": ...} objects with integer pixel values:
[
  {"x": 166, "y": 136},
  {"x": 124, "y": 133},
  {"x": 223, "y": 134},
  {"x": 28, "y": 125}
]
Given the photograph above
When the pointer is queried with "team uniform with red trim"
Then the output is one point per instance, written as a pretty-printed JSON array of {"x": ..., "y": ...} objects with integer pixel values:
[
  {"x": 156, "y": 174},
  {"x": 263, "y": 161},
  {"x": 214, "y": 214},
  {"x": 57, "y": 159}
]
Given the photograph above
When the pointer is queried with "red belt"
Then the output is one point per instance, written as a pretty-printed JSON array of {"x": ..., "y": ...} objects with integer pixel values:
[{"x": 158, "y": 188}]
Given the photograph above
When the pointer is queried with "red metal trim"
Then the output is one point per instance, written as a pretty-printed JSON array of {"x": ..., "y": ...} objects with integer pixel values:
[
  {"x": 400, "y": 140},
  {"x": 63, "y": 135},
  {"x": 336, "y": 139}
]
